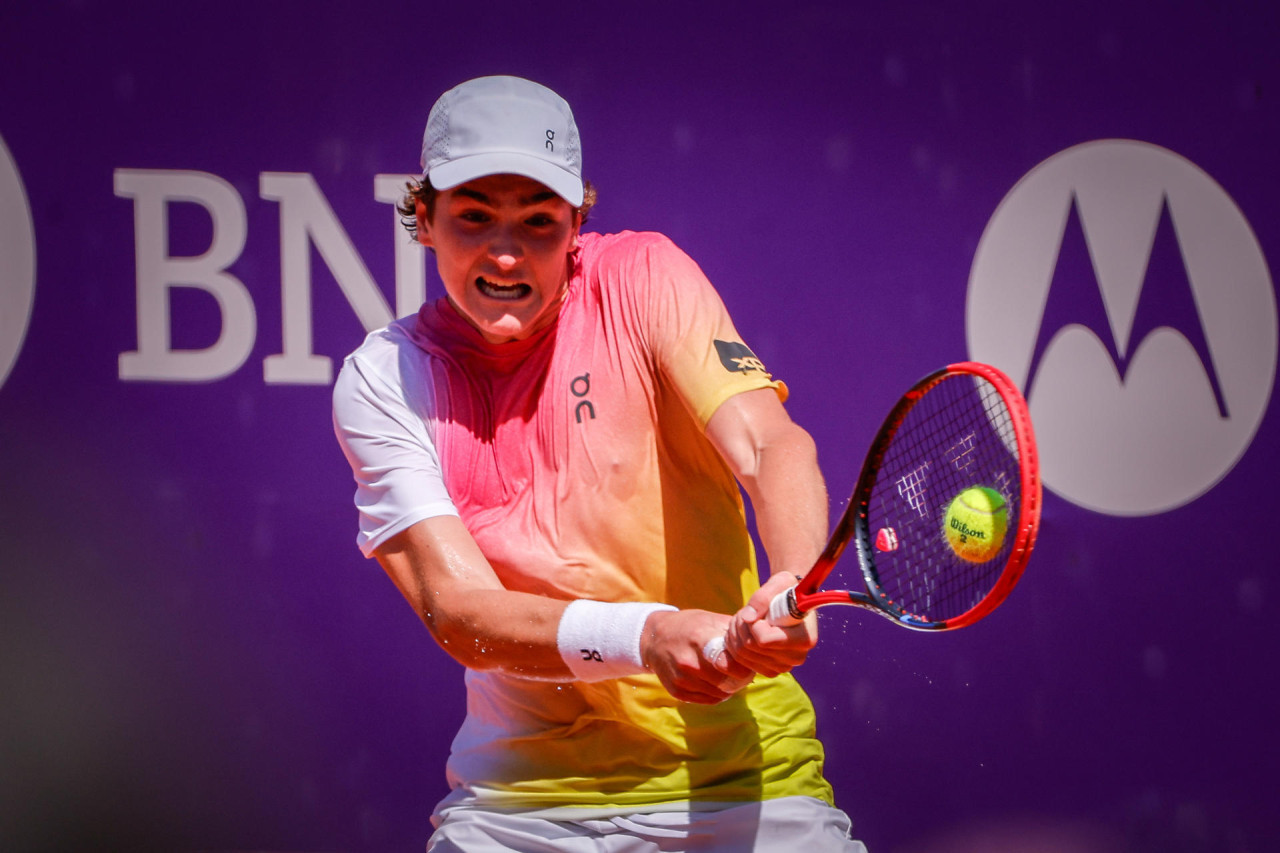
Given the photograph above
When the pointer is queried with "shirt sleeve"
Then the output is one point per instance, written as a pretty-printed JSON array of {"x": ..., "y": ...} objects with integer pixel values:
[
  {"x": 692, "y": 336},
  {"x": 389, "y": 447}
]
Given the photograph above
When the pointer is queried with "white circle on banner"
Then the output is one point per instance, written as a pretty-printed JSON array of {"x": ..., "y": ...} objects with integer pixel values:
[
  {"x": 17, "y": 262},
  {"x": 1124, "y": 291}
]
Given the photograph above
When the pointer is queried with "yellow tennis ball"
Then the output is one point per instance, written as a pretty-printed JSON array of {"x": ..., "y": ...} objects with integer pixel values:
[{"x": 975, "y": 524}]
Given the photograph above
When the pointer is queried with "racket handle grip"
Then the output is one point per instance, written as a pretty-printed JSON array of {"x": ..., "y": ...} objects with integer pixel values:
[
  {"x": 783, "y": 610},
  {"x": 714, "y": 648}
]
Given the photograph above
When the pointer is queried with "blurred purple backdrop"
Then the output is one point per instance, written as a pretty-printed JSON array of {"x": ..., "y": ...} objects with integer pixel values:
[{"x": 194, "y": 654}]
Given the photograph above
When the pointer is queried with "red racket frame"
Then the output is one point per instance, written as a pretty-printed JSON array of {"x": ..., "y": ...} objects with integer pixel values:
[{"x": 853, "y": 523}]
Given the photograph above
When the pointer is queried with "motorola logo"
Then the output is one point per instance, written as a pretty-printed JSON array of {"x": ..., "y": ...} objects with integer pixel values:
[
  {"x": 1125, "y": 292},
  {"x": 17, "y": 262}
]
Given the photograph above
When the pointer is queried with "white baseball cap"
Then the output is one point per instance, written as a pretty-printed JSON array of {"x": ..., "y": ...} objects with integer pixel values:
[{"x": 503, "y": 125}]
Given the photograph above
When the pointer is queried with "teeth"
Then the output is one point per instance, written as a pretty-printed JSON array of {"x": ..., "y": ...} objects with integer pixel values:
[{"x": 503, "y": 291}]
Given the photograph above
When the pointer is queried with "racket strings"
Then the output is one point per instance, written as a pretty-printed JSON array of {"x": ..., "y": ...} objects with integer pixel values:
[{"x": 959, "y": 434}]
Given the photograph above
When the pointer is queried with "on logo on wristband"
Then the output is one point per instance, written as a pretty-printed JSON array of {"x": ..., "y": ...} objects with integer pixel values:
[{"x": 598, "y": 640}]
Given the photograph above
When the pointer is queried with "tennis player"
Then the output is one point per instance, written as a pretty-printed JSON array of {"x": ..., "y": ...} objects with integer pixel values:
[{"x": 547, "y": 463}]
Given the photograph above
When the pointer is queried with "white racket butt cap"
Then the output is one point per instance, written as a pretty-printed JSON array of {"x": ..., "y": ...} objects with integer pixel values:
[{"x": 781, "y": 608}]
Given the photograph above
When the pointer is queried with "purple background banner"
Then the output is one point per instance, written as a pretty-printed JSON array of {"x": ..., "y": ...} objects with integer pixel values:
[{"x": 193, "y": 653}]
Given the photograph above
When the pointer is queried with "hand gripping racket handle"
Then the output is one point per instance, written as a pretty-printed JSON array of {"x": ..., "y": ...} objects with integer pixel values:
[{"x": 783, "y": 612}]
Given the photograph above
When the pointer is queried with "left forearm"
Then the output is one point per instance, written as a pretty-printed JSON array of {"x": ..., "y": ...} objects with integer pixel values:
[
  {"x": 789, "y": 499},
  {"x": 776, "y": 462}
]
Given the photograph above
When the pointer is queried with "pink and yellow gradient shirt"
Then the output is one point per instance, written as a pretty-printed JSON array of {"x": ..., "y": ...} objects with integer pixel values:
[{"x": 578, "y": 461}]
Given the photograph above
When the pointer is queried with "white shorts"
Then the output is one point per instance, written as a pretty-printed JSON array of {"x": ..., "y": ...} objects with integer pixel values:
[{"x": 784, "y": 825}]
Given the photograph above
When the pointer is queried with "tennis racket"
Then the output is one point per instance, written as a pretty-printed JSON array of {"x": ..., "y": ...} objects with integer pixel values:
[{"x": 961, "y": 427}]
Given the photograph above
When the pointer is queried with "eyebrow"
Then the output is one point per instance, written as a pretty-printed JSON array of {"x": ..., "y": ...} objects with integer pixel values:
[{"x": 536, "y": 198}]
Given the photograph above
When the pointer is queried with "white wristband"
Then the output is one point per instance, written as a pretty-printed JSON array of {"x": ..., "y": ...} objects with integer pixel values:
[{"x": 600, "y": 640}]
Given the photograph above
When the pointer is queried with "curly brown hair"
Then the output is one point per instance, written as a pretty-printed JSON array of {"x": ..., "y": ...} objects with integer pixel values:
[{"x": 422, "y": 191}]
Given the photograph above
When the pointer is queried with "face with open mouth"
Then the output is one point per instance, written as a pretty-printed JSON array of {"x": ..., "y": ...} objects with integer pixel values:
[{"x": 502, "y": 247}]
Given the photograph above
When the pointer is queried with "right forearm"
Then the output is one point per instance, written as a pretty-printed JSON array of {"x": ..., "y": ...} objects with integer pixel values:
[
  {"x": 527, "y": 635},
  {"x": 485, "y": 626},
  {"x": 444, "y": 576},
  {"x": 498, "y": 629}
]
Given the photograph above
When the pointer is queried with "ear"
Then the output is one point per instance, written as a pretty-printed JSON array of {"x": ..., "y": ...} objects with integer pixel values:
[
  {"x": 424, "y": 224},
  {"x": 577, "y": 227}
]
